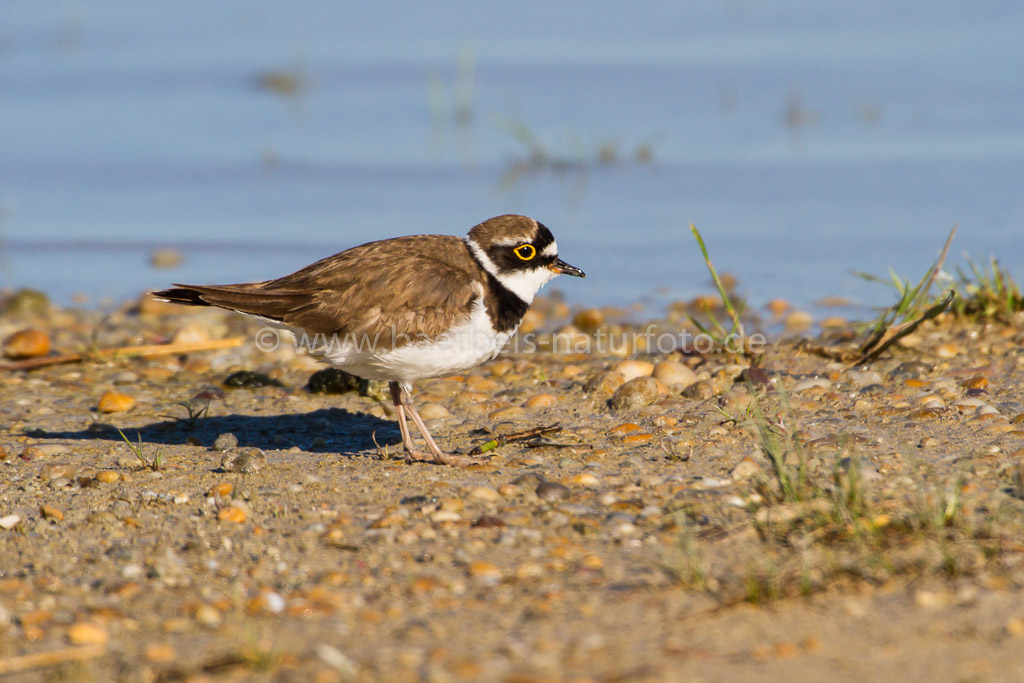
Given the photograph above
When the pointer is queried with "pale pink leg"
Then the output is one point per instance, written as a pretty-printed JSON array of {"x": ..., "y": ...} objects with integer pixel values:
[
  {"x": 403, "y": 401},
  {"x": 396, "y": 398}
]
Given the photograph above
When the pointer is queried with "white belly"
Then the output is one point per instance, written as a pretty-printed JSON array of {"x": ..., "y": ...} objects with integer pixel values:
[{"x": 460, "y": 349}]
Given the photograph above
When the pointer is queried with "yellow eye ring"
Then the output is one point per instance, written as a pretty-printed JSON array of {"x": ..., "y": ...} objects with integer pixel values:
[{"x": 525, "y": 252}]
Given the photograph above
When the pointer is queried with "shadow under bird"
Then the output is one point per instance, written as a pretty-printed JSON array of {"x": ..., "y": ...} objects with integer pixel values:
[{"x": 406, "y": 308}]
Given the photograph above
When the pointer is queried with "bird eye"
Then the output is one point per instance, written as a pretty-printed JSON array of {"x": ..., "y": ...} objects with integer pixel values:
[{"x": 525, "y": 252}]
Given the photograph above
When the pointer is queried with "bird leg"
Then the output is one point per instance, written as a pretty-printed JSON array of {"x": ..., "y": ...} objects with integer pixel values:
[
  {"x": 403, "y": 402},
  {"x": 396, "y": 398}
]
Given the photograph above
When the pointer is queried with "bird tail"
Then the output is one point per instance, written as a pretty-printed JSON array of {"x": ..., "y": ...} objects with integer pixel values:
[{"x": 248, "y": 298}]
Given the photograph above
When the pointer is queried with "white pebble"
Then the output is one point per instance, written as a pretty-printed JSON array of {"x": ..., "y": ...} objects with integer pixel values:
[
  {"x": 132, "y": 571},
  {"x": 805, "y": 384},
  {"x": 864, "y": 378},
  {"x": 338, "y": 660},
  {"x": 445, "y": 516},
  {"x": 631, "y": 369},
  {"x": 969, "y": 403},
  {"x": 273, "y": 602}
]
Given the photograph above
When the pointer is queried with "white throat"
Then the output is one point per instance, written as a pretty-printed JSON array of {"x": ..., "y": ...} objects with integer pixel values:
[{"x": 523, "y": 283}]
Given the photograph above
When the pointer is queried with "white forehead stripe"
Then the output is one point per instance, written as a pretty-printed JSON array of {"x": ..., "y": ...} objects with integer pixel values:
[{"x": 550, "y": 250}]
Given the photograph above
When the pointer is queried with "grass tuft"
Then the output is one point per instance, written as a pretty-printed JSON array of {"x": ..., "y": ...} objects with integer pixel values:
[
  {"x": 155, "y": 464},
  {"x": 716, "y": 331},
  {"x": 914, "y": 306},
  {"x": 685, "y": 563},
  {"x": 784, "y": 451},
  {"x": 990, "y": 291}
]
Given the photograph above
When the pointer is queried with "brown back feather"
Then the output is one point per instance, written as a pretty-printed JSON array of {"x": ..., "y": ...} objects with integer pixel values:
[{"x": 393, "y": 291}]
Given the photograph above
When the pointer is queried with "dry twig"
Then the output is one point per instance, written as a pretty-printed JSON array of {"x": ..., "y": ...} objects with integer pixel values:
[
  {"x": 124, "y": 352},
  {"x": 39, "y": 660},
  {"x": 503, "y": 439}
]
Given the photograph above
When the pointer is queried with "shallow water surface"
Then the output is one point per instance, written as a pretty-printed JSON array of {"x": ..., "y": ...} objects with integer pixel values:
[{"x": 805, "y": 141}]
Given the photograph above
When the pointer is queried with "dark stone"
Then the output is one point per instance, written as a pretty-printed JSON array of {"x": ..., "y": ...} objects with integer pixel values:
[
  {"x": 910, "y": 370},
  {"x": 488, "y": 522},
  {"x": 246, "y": 379},
  {"x": 551, "y": 491},
  {"x": 332, "y": 381},
  {"x": 27, "y": 302},
  {"x": 225, "y": 442},
  {"x": 699, "y": 390},
  {"x": 419, "y": 500},
  {"x": 754, "y": 375}
]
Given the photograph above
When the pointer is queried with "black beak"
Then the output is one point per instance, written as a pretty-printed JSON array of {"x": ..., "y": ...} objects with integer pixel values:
[{"x": 560, "y": 266}]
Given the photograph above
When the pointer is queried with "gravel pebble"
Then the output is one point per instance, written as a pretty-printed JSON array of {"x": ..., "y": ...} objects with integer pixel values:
[
  {"x": 225, "y": 442},
  {"x": 797, "y": 321},
  {"x": 27, "y": 301},
  {"x": 107, "y": 476},
  {"x": 27, "y": 344},
  {"x": 551, "y": 491},
  {"x": 87, "y": 633},
  {"x": 604, "y": 384},
  {"x": 910, "y": 370},
  {"x": 746, "y": 468},
  {"x": 585, "y": 479},
  {"x": 56, "y": 471},
  {"x": 115, "y": 402},
  {"x": 631, "y": 369},
  {"x": 700, "y": 390},
  {"x": 160, "y": 653},
  {"x": 540, "y": 401},
  {"x": 674, "y": 374},
  {"x": 244, "y": 461},
  {"x": 434, "y": 411},
  {"x": 636, "y": 393},
  {"x": 811, "y": 383},
  {"x": 231, "y": 513},
  {"x": 862, "y": 378},
  {"x": 589, "y": 319},
  {"x": 44, "y": 450},
  {"x": 333, "y": 381},
  {"x": 191, "y": 333},
  {"x": 486, "y": 573},
  {"x": 246, "y": 379},
  {"x": 485, "y": 494},
  {"x": 8, "y": 522}
]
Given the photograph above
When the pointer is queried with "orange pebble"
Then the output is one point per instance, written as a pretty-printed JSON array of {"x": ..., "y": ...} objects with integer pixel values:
[
  {"x": 115, "y": 402},
  {"x": 624, "y": 428},
  {"x": 231, "y": 514}
]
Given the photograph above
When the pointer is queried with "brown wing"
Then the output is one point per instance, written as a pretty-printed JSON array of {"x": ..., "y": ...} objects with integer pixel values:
[{"x": 394, "y": 289}]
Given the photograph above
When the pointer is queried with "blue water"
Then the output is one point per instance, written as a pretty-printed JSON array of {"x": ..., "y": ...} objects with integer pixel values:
[{"x": 805, "y": 139}]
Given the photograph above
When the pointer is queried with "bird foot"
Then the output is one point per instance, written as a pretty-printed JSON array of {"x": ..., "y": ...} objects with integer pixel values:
[{"x": 441, "y": 458}]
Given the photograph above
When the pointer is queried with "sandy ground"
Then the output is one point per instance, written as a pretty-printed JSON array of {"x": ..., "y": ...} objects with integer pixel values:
[{"x": 649, "y": 541}]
